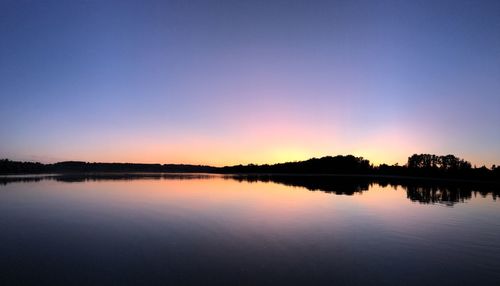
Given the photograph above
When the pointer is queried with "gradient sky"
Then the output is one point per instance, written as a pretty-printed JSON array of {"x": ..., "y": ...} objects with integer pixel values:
[{"x": 225, "y": 82}]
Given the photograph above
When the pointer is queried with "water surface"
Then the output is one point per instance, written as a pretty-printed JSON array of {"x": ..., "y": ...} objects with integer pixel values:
[{"x": 173, "y": 229}]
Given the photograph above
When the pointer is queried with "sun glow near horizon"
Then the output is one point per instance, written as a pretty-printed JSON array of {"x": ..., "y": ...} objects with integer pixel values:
[{"x": 261, "y": 143}]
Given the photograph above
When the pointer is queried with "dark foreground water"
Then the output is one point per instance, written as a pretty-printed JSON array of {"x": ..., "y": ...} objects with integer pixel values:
[{"x": 214, "y": 230}]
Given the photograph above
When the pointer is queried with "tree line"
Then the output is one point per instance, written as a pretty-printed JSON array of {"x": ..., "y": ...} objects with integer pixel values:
[{"x": 418, "y": 165}]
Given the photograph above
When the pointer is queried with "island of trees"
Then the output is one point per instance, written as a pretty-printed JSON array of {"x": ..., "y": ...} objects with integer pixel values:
[{"x": 418, "y": 165}]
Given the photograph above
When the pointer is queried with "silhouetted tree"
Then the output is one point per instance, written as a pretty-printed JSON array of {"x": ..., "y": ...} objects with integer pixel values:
[
  {"x": 325, "y": 165},
  {"x": 428, "y": 161}
]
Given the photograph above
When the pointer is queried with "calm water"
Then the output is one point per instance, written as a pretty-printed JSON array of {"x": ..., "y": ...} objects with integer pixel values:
[{"x": 201, "y": 230}]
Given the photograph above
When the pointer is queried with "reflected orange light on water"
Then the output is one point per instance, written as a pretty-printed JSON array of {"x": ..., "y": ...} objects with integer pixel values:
[
  {"x": 258, "y": 204},
  {"x": 246, "y": 207},
  {"x": 256, "y": 201}
]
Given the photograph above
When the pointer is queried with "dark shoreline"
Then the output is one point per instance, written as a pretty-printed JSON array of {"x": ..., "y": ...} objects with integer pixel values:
[
  {"x": 138, "y": 174},
  {"x": 419, "y": 167}
]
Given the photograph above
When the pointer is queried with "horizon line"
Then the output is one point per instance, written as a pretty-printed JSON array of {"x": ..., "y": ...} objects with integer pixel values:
[{"x": 244, "y": 164}]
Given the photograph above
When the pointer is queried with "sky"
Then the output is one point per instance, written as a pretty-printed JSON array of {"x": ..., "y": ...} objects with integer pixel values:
[{"x": 229, "y": 82}]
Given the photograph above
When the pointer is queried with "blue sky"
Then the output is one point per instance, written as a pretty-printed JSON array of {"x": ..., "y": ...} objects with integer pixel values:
[{"x": 223, "y": 82}]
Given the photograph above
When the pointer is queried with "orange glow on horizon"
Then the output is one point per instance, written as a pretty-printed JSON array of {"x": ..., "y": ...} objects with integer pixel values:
[{"x": 267, "y": 141}]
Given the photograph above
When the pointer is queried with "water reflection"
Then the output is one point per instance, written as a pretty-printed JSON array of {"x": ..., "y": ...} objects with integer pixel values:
[
  {"x": 202, "y": 229},
  {"x": 417, "y": 190},
  {"x": 340, "y": 185},
  {"x": 76, "y": 178}
]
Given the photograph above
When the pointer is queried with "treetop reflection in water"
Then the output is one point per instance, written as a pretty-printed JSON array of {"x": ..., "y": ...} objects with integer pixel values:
[{"x": 418, "y": 190}]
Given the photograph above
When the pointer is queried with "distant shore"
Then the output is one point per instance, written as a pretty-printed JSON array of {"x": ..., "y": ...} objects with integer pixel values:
[{"x": 422, "y": 166}]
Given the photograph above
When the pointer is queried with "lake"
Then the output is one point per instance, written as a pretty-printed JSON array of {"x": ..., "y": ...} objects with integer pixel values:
[{"x": 198, "y": 229}]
